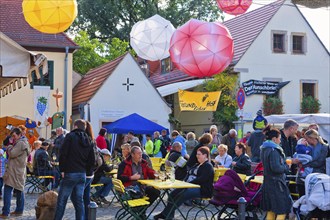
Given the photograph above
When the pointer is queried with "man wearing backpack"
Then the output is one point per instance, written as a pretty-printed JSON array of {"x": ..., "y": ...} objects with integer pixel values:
[{"x": 76, "y": 157}]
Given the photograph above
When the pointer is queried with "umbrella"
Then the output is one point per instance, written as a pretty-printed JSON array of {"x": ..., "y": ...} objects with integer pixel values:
[
  {"x": 234, "y": 7},
  {"x": 201, "y": 48},
  {"x": 51, "y": 16},
  {"x": 150, "y": 38}
]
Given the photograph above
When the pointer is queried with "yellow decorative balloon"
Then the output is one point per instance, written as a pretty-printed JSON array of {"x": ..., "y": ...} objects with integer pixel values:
[{"x": 50, "y": 16}]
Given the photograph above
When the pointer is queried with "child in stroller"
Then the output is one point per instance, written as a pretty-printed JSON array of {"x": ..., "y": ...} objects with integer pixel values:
[
  {"x": 228, "y": 189},
  {"x": 316, "y": 201}
]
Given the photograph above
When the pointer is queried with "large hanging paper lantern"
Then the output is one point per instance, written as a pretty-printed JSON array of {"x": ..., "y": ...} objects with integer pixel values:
[
  {"x": 234, "y": 7},
  {"x": 150, "y": 38},
  {"x": 50, "y": 16},
  {"x": 201, "y": 48}
]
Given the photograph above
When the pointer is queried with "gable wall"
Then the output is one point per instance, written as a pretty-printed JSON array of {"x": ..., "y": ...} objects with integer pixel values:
[
  {"x": 21, "y": 101},
  {"x": 262, "y": 63},
  {"x": 112, "y": 101}
]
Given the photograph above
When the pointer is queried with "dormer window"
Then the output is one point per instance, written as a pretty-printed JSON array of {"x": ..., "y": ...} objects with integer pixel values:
[{"x": 166, "y": 65}]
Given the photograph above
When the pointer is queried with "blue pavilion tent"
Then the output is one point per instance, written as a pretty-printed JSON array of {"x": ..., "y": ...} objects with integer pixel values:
[{"x": 135, "y": 123}]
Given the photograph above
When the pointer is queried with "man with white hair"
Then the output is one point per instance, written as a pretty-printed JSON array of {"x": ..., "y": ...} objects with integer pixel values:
[
  {"x": 58, "y": 142},
  {"x": 230, "y": 140}
]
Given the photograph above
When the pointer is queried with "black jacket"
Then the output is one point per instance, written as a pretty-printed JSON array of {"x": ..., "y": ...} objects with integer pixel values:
[
  {"x": 288, "y": 144},
  {"x": 41, "y": 162},
  {"x": 101, "y": 171},
  {"x": 76, "y": 153},
  {"x": 275, "y": 193},
  {"x": 243, "y": 164},
  {"x": 205, "y": 174},
  {"x": 180, "y": 172},
  {"x": 255, "y": 142},
  {"x": 193, "y": 159},
  {"x": 58, "y": 142}
]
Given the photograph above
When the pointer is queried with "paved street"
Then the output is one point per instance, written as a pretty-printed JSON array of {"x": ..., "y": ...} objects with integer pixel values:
[{"x": 102, "y": 213}]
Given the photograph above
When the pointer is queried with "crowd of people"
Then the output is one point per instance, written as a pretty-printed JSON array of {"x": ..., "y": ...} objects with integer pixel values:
[{"x": 72, "y": 160}]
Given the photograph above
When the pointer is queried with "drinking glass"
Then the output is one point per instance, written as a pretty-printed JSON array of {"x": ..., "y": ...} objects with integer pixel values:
[{"x": 288, "y": 161}]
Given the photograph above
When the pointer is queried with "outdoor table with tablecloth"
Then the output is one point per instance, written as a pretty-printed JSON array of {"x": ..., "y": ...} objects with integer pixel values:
[{"x": 166, "y": 187}]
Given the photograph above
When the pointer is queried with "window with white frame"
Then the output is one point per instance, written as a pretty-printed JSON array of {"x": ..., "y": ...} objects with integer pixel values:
[
  {"x": 279, "y": 41},
  {"x": 298, "y": 43}
]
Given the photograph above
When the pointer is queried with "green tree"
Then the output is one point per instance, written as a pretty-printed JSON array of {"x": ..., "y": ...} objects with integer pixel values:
[
  {"x": 93, "y": 52},
  {"x": 90, "y": 53},
  {"x": 227, "y": 84},
  {"x": 106, "y": 19}
]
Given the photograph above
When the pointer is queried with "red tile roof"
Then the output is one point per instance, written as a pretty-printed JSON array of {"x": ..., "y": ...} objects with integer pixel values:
[
  {"x": 244, "y": 29},
  {"x": 92, "y": 82},
  {"x": 13, "y": 24}
]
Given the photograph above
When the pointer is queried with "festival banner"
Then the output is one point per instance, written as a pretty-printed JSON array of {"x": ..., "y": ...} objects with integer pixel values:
[
  {"x": 262, "y": 87},
  {"x": 198, "y": 101},
  {"x": 41, "y": 103}
]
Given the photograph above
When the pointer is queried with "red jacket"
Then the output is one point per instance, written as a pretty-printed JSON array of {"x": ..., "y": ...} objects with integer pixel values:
[
  {"x": 101, "y": 143},
  {"x": 125, "y": 171}
]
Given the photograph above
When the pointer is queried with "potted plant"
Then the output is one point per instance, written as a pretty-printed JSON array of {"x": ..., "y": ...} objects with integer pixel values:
[
  {"x": 272, "y": 105},
  {"x": 310, "y": 104}
]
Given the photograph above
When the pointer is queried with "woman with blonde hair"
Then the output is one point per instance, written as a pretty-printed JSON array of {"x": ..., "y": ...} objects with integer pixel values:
[
  {"x": 216, "y": 138},
  {"x": 223, "y": 159},
  {"x": 319, "y": 154},
  {"x": 191, "y": 142}
]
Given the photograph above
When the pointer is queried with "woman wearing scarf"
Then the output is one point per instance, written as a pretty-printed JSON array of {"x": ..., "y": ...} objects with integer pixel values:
[{"x": 275, "y": 194}]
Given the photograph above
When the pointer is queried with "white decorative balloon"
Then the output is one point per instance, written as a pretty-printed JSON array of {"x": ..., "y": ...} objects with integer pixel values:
[{"x": 151, "y": 38}]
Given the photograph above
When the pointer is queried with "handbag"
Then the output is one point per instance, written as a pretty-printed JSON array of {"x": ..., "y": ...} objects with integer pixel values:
[{"x": 134, "y": 191}]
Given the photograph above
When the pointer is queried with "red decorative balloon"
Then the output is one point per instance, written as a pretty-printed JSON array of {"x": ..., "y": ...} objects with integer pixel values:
[
  {"x": 201, "y": 48},
  {"x": 234, "y": 7}
]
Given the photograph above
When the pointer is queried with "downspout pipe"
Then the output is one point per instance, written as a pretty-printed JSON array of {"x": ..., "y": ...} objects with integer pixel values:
[{"x": 66, "y": 87}]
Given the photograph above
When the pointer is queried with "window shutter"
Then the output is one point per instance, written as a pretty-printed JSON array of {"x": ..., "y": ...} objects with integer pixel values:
[{"x": 51, "y": 74}]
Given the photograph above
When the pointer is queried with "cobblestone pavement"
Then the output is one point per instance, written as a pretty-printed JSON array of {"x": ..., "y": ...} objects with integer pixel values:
[{"x": 102, "y": 213}]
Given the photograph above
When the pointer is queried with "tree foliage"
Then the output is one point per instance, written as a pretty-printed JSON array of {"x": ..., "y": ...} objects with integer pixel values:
[
  {"x": 104, "y": 19},
  {"x": 227, "y": 84},
  {"x": 93, "y": 52}
]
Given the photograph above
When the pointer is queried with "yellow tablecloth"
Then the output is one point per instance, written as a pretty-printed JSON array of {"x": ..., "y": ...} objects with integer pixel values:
[
  {"x": 257, "y": 179},
  {"x": 177, "y": 184}
]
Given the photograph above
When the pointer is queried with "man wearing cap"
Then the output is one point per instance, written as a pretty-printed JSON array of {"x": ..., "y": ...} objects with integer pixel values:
[{"x": 101, "y": 177}]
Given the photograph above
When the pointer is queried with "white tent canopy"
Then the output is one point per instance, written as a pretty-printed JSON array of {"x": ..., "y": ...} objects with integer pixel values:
[
  {"x": 322, "y": 119},
  {"x": 17, "y": 62}
]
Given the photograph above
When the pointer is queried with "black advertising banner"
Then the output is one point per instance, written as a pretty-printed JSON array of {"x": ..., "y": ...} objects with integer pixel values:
[{"x": 262, "y": 87}]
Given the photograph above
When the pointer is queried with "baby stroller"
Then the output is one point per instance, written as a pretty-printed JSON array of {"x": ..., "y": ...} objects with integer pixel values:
[
  {"x": 227, "y": 190},
  {"x": 316, "y": 201}
]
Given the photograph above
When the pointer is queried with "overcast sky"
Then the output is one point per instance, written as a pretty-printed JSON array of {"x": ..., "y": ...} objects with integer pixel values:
[{"x": 319, "y": 19}]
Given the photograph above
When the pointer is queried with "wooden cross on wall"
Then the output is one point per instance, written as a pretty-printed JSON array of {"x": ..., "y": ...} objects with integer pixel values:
[{"x": 128, "y": 84}]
